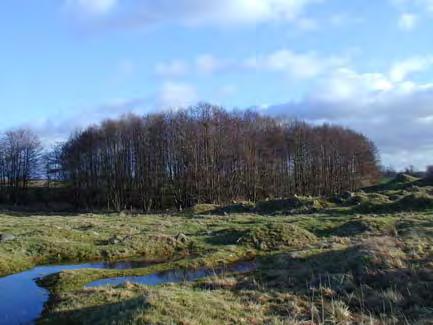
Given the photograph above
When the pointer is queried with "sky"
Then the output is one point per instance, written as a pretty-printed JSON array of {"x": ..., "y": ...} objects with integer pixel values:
[{"x": 368, "y": 65}]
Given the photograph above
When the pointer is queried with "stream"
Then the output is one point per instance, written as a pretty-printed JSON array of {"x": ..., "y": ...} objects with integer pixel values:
[{"x": 22, "y": 300}]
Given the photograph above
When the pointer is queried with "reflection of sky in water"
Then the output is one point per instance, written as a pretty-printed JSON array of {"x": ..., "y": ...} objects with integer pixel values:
[
  {"x": 22, "y": 301},
  {"x": 174, "y": 276}
]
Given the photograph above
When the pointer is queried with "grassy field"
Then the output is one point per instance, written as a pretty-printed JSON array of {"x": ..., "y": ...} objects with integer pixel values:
[{"x": 359, "y": 258}]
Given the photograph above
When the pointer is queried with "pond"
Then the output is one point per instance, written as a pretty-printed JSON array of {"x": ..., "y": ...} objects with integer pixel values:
[
  {"x": 176, "y": 276},
  {"x": 22, "y": 300}
]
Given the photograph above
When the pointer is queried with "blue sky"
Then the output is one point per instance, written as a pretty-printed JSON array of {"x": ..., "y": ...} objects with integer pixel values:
[{"x": 363, "y": 64}]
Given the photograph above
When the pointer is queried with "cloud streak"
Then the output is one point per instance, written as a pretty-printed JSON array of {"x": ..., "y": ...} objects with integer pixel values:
[{"x": 197, "y": 12}]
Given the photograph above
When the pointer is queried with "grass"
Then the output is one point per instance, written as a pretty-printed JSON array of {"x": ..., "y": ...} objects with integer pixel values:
[{"x": 318, "y": 262}]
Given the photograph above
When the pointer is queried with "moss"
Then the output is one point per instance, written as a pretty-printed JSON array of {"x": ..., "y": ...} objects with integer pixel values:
[
  {"x": 412, "y": 202},
  {"x": 13, "y": 263},
  {"x": 202, "y": 209},
  {"x": 277, "y": 236},
  {"x": 82, "y": 238},
  {"x": 338, "y": 265},
  {"x": 401, "y": 181},
  {"x": 353, "y": 228},
  {"x": 363, "y": 225},
  {"x": 236, "y": 208},
  {"x": 293, "y": 205},
  {"x": 405, "y": 178},
  {"x": 73, "y": 280},
  {"x": 133, "y": 304}
]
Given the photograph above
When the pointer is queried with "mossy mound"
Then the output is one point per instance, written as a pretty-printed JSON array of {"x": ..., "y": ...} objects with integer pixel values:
[
  {"x": 414, "y": 202},
  {"x": 228, "y": 236},
  {"x": 405, "y": 178},
  {"x": 278, "y": 236},
  {"x": 353, "y": 228},
  {"x": 237, "y": 207},
  {"x": 291, "y": 205},
  {"x": 370, "y": 256},
  {"x": 203, "y": 208},
  {"x": 372, "y": 225},
  {"x": 13, "y": 263},
  {"x": 358, "y": 198},
  {"x": 400, "y": 182}
]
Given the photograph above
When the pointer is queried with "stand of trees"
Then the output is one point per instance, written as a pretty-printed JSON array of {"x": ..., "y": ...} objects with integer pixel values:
[
  {"x": 201, "y": 155},
  {"x": 206, "y": 154},
  {"x": 19, "y": 159}
]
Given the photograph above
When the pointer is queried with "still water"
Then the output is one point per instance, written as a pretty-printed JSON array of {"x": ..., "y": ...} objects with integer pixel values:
[{"x": 22, "y": 300}]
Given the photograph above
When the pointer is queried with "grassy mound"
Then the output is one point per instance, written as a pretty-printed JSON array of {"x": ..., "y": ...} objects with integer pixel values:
[
  {"x": 132, "y": 304},
  {"x": 13, "y": 263},
  {"x": 414, "y": 202},
  {"x": 401, "y": 181},
  {"x": 361, "y": 198},
  {"x": 278, "y": 236},
  {"x": 353, "y": 228},
  {"x": 355, "y": 262},
  {"x": 366, "y": 225},
  {"x": 419, "y": 201},
  {"x": 238, "y": 207},
  {"x": 202, "y": 208},
  {"x": 291, "y": 205},
  {"x": 405, "y": 178}
]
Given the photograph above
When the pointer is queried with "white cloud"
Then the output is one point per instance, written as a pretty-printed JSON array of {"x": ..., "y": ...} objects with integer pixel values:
[
  {"x": 291, "y": 64},
  {"x": 296, "y": 65},
  {"x": 346, "y": 84},
  {"x": 207, "y": 64},
  {"x": 412, "y": 12},
  {"x": 401, "y": 70},
  {"x": 427, "y": 4},
  {"x": 174, "y": 95},
  {"x": 94, "y": 7},
  {"x": 408, "y": 21},
  {"x": 174, "y": 68},
  {"x": 396, "y": 114},
  {"x": 199, "y": 12}
]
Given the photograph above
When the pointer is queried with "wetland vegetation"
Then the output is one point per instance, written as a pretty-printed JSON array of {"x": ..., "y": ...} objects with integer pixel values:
[{"x": 357, "y": 258}]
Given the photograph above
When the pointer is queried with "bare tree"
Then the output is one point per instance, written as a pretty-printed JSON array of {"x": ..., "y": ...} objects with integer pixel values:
[
  {"x": 20, "y": 153},
  {"x": 206, "y": 154}
]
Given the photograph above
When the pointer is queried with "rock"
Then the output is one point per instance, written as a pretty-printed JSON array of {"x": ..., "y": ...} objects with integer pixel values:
[
  {"x": 295, "y": 254},
  {"x": 347, "y": 195},
  {"x": 115, "y": 240},
  {"x": 6, "y": 237},
  {"x": 182, "y": 238}
]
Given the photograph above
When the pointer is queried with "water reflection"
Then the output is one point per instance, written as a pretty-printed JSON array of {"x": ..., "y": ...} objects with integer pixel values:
[
  {"x": 22, "y": 300},
  {"x": 175, "y": 276}
]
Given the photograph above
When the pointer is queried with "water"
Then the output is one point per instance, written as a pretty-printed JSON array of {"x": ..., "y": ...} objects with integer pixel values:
[
  {"x": 175, "y": 276},
  {"x": 22, "y": 300}
]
